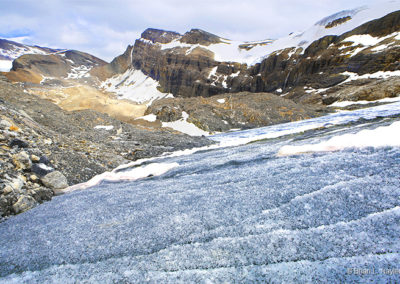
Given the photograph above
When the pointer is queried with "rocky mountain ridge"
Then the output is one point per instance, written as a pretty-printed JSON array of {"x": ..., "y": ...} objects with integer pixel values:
[
  {"x": 192, "y": 70},
  {"x": 356, "y": 49},
  {"x": 355, "y": 60},
  {"x": 11, "y": 50}
]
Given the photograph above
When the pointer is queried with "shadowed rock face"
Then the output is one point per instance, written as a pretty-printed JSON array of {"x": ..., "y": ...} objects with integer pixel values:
[
  {"x": 117, "y": 66},
  {"x": 160, "y": 36},
  {"x": 188, "y": 74},
  {"x": 197, "y": 36}
]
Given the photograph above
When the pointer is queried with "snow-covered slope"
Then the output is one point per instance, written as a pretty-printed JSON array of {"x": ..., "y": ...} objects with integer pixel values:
[
  {"x": 135, "y": 86},
  {"x": 253, "y": 52},
  {"x": 10, "y": 50}
]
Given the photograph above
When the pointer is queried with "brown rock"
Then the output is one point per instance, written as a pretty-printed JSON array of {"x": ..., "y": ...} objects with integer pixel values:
[
  {"x": 22, "y": 161},
  {"x": 24, "y": 203}
]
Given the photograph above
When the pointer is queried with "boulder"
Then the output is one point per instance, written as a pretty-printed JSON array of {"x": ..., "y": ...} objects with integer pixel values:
[
  {"x": 22, "y": 161},
  {"x": 42, "y": 194},
  {"x": 19, "y": 143},
  {"x": 17, "y": 184},
  {"x": 35, "y": 158},
  {"x": 45, "y": 160},
  {"x": 41, "y": 169},
  {"x": 55, "y": 180},
  {"x": 23, "y": 204},
  {"x": 4, "y": 124}
]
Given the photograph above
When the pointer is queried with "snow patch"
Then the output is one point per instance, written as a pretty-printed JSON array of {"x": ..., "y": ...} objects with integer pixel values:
[
  {"x": 5, "y": 65},
  {"x": 212, "y": 72},
  {"x": 134, "y": 85},
  {"x": 150, "y": 117},
  {"x": 45, "y": 167},
  {"x": 367, "y": 41},
  {"x": 154, "y": 169},
  {"x": 363, "y": 40},
  {"x": 381, "y": 137},
  {"x": 105, "y": 127},
  {"x": 348, "y": 103},
  {"x": 184, "y": 126},
  {"x": 376, "y": 75},
  {"x": 233, "y": 75},
  {"x": 78, "y": 72},
  {"x": 16, "y": 51}
]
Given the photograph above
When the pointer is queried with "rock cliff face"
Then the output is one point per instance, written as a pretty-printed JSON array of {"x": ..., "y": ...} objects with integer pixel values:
[
  {"x": 177, "y": 73},
  {"x": 191, "y": 65}
]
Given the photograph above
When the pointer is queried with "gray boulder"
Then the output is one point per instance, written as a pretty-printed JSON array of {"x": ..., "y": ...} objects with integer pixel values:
[
  {"x": 55, "y": 180},
  {"x": 4, "y": 124}
]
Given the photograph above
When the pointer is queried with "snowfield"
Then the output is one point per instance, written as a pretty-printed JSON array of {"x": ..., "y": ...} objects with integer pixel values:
[{"x": 134, "y": 85}]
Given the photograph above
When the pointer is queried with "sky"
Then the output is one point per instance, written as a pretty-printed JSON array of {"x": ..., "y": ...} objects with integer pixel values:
[{"x": 104, "y": 28}]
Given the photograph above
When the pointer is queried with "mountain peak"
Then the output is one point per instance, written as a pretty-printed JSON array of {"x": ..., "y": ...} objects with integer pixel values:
[
  {"x": 198, "y": 36},
  {"x": 160, "y": 36}
]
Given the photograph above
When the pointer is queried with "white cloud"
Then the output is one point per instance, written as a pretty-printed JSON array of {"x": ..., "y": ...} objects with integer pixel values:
[{"x": 105, "y": 28}]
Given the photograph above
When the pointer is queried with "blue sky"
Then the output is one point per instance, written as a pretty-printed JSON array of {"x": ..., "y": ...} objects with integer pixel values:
[{"x": 105, "y": 27}]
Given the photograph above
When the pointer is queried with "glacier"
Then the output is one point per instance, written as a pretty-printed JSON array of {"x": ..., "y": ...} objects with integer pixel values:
[{"x": 234, "y": 212}]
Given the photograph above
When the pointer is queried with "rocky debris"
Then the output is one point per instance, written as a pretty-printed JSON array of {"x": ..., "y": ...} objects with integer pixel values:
[
  {"x": 55, "y": 180},
  {"x": 357, "y": 90},
  {"x": 35, "y": 159},
  {"x": 19, "y": 143},
  {"x": 44, "y": 148},
  {"x": 4, "y": 124},
  {"x": 22, "y": 161},
  {"x": 363, "y": 90},
  {"x": 24, "y": 203},
  {"x": 232, "y": 111},
  {"x": 20, "y": 188}
]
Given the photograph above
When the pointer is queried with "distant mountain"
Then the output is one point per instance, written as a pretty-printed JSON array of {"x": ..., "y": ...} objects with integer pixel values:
[
  {"x": 10, "y": 50},
  {"x": 352, "y": 55},
  {"x": 35, "y": 64},
  {"x": 58, "y": 67},
  {"x": 197, "y": 63}
]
